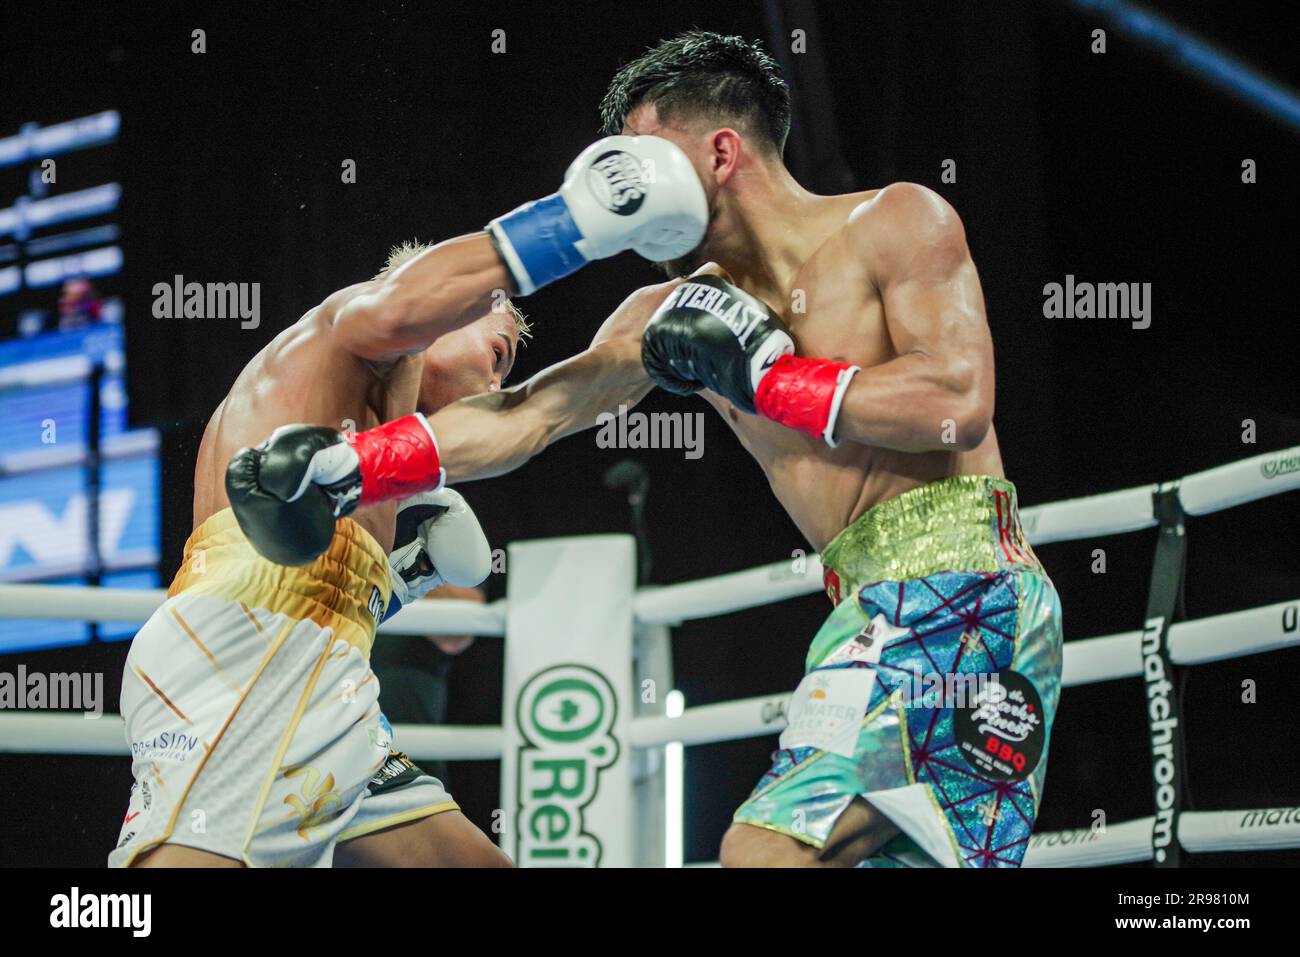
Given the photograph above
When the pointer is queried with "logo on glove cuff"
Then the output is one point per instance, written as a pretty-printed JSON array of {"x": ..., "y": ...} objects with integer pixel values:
[{"x": 616, "y": 181}]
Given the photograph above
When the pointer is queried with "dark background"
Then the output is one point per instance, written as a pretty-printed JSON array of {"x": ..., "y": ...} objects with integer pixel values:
[{"x": 1114, "y": 167}]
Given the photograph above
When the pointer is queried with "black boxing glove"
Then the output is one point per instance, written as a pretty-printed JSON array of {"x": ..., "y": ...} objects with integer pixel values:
[
  {"x": 709, "y": 334},
  {"x": 287, "y": 492},
  {"x": 287, "y": 516}
]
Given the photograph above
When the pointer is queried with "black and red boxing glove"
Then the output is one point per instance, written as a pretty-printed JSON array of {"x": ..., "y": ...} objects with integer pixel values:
[
  {"x": 288, "y": 492},
  {"x": 709, "y": 334}
]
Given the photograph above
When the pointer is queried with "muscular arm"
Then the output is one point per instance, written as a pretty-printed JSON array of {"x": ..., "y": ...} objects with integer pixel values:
[
  {"x": 438, "y": 291},
  {"x": 496, "y": 432},
  {"x": 937, "y": 394}
]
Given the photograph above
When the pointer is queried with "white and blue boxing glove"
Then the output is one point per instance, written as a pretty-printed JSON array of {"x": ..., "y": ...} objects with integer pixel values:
[
  {"x": 622, "y": 192},
  {"x": 438, "y": 541}
]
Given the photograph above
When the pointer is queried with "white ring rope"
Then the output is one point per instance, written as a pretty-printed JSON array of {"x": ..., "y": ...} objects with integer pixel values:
[
  {"x": 91, "y": 603},
  {"x": 1257, "y": 829},
  {"x": 1262, "y": 829},
  {"x": 724, "y": 594},
  {"x": 1097, "y": 515},
  {"x": 1087, "y": 661},
  {"x": 1105, "y": 658}
]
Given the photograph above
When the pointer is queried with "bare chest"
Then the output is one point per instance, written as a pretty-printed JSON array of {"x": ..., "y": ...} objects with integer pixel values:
[{"x": 833, "y": 311}]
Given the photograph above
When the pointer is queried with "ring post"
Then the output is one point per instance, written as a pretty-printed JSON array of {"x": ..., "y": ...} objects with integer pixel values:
[
  {"x": 652, "y": 679},
  {"x": 566, "y": 783}
]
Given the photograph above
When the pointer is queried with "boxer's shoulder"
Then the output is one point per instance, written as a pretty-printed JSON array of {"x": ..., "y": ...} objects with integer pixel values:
[
  {"x": 308, "y": 353},
  {"x": 901, "y": 205},
  {"x": 887, "y": 228}
]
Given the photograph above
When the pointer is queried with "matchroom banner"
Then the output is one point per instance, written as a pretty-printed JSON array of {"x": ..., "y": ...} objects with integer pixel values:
[{"x": 565, "y": 770}]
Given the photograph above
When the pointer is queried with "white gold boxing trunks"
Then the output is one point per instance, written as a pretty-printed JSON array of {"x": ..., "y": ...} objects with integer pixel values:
[{"x": 252, "y": 713}]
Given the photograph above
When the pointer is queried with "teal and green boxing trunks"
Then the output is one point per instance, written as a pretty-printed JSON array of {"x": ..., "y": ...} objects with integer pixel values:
[{"x": 931, "y": 688}]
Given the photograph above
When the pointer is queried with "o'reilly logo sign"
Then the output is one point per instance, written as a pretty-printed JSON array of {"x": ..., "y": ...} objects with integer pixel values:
[
  {"x": 565, "y": 716},
  {"x": 1282, "y": 465}
]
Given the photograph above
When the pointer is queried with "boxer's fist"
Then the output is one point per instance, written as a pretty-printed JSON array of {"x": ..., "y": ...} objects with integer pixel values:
[
  {"x": 709, "y": 334},
  {"x": 287, "y": 492},
  {"x": 438, "y": 541},
  {"x": 622, "y": 192}
]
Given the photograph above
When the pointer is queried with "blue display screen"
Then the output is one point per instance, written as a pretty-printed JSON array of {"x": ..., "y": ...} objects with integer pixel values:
[{"x": 61, "y": 348}]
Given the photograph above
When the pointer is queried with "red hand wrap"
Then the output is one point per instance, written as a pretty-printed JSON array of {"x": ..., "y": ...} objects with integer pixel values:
[
  {"x": 398, "y": 459},
  {"x": 799, "y": 392}
]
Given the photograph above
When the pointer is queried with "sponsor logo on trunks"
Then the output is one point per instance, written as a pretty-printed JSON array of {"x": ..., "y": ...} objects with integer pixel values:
[
  {"x": 166, "y": 746},
  {"x": 566, "y": 715},
  {"x": 376, "y": 605},
  {"x": 917, "y": 689},
  {"x": 1010, "y": 534},
  {"x": 832, "y": 582},
  {"x": 1164, "y": 725},
  {"x": 1002, "y": 734},
  {"x": 1282, "y": 465},
  {"x": 396, "y": 771},
  {"x": 616, "y": 181},
  {"x": 381, "y": 733},
  {"x": 132, "y": 911},
  {"x": 826, "y": 710},
  {"x": 316, "y": 802},
  {"x": 819, "y": 706}
]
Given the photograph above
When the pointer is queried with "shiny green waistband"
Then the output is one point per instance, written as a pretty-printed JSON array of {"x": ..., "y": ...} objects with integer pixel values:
[{"x": 968, "y": 523}]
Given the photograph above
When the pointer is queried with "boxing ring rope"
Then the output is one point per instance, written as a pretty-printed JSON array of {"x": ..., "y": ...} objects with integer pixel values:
[
  {"x": 1214, "y": 638},
  {"x": 1087, "y": 661},
  {"x": 448, "y": 617}
]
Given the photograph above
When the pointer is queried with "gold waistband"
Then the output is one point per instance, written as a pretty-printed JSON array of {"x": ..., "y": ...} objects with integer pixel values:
[
  {"x": 346, "y": 588},
  {"x": 968, "y": 522}
]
